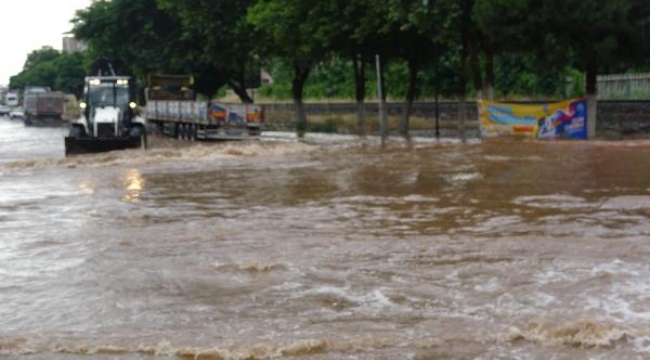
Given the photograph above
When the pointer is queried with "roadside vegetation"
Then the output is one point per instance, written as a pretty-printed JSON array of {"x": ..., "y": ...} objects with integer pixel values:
[{"x": 329, "y": 50}]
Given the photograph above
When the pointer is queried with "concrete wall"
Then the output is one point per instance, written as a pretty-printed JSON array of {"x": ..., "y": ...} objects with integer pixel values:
[
  {"x": 616, "y": 119},
  {"x": 623, "y": 119}
]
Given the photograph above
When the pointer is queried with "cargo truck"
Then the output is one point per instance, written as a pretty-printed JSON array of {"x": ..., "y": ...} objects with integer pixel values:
[
  {"x": 43, "y": 107},
  {"x": 172, "y": 107}
]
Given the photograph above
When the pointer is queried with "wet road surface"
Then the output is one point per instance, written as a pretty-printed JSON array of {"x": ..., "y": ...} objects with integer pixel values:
[{"x": 328, "y": 250}]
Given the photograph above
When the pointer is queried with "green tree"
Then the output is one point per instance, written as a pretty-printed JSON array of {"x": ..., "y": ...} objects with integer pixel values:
[
  {"x": 70, "y": 73},
  {"x": 289, "y": 29},
  {"x": 48, "y": 67},
  {"x": 141, "y": 38},
  {"x": 592, "y": 35},
  {"x": 43, "y": 55},
  {"x": 421, "y": 31},
  {"x": 349, "y": 35},
  {"x": 222, "y": 38}
]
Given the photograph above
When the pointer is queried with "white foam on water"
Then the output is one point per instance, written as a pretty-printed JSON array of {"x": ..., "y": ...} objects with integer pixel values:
[
  {"x": 330, "y": 138},
  {"x": 372, "y": 301},
  {"x": 641, "y": 344},
  {"x": 624, "y": 302},
  {"x": 166, "y": 349},
  {"x": 491, "y": 285},
  {"x": 542, "y": 299},
  {"x": 555, "y": 201},
  {"x": 194, "y": 152},
  {"x": 462, "y": 178},
  {"x": 497, "y": 158},
  {"x": 583, "y": 333},
  {"x": 553, "y": 275},
  {"x": 498, "y": 223},
  {"x": 413, "y": 198},
  {"x": 628, "y": 202},
  {"x": 614, "y": 267}
]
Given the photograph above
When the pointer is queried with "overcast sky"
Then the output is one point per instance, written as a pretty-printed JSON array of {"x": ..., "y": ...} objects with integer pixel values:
[{"x": 27, "y": 25}]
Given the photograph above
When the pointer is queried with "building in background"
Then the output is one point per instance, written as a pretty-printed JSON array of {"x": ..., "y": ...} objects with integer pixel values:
[
  {"x": 72, "y": 45},
  {"x": 265, "y": 77}
]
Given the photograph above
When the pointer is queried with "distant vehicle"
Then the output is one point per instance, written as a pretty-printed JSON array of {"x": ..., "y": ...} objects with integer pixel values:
[
  {"x": 4, "y": 110},
  {"x": 43, "y": 107},
  {"x": 17, "y": 113},
  {"x": 11, "y": 99},
  {"x": 172, "y": 107}
]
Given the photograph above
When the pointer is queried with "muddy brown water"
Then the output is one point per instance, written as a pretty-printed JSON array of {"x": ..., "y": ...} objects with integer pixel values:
[{"x": 327, "y": 250}]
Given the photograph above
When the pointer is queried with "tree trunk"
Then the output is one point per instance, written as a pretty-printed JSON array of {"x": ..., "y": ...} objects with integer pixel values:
[
  {"x": 475, "y": 70},
  {"x": 299, "y": 78},
  {"x": 462, "y": 83},
  {"x": 410, "y": 97},
  {"x": 360, "y": 92},
  {"x": 462, "y": 94},
  {"x": 592, "y": 100},
  {"x": 361, "y": 118},
  {"x": 437, "y": 114},
  {"x": 240, "y": 91},
  {"x": 462, "y": 117},
  {"x": 489, "y": 70}
]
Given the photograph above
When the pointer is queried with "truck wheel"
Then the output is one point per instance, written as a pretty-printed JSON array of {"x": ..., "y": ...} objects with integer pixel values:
[{"x": 192, "y": 132}]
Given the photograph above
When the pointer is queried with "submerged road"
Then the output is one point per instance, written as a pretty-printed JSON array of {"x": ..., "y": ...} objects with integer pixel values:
[{"x": 333, "y": 249}]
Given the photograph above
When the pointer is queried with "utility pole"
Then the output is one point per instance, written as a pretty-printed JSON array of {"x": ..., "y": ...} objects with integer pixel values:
[{"x": 383, "y": 122}]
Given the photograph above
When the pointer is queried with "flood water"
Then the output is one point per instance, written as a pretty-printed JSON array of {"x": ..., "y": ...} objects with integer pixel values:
[{"x": 327, "y": 250}]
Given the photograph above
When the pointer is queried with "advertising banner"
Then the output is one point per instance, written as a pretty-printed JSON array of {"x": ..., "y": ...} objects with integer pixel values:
[{"x": 561, "y": 120}]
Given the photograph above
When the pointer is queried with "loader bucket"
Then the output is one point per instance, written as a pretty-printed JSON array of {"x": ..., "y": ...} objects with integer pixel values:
[{"x": 77, "y": 146}]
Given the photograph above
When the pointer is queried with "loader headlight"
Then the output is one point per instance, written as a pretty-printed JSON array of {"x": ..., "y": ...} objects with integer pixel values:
[
  {"x": 133, "y": 105},
  {"x": 83, "y": 105}
]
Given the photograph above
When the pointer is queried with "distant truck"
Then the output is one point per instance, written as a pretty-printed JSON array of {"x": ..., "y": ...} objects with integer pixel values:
[
  {"x": 173, "y": 109},
  {"x": 43, "y": 107},
  {"x": 11, "y": 99}
]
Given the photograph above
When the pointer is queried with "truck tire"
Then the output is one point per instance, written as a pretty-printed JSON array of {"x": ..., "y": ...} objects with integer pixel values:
[
  {"x": 192, "y": 132},
  {"x": 178, "y": 132}
]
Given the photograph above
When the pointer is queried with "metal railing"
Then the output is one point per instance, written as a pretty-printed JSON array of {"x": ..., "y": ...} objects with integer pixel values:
[{"x": 624, "y": 87}]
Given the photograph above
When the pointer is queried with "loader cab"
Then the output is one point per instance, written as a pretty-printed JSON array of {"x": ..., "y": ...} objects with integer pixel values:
[
  {"x": 110, "y": 119},
  {"x": 101, "y": 92}
]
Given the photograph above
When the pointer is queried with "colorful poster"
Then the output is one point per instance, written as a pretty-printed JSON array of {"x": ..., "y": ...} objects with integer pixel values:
[
  {"x": 218, "y": 111},
  {"x": 561, "y": 120}
]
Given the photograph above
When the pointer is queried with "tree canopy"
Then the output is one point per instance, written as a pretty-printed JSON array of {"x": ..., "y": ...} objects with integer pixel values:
[
  {"x": 51, "y": 68},
  {"x": 593, "y": 35},
  {"x": 517, "y": 47}
]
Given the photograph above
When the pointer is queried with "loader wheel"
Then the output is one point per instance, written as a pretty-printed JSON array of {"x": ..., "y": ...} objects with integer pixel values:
[
  {"x": 77, "y": 131},
  {"x": 139, "y": 132}
]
